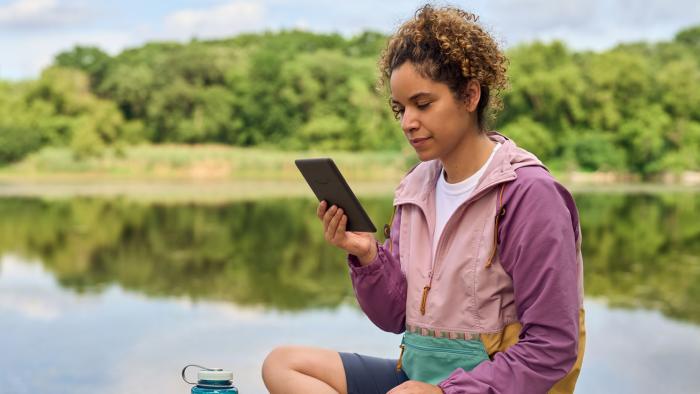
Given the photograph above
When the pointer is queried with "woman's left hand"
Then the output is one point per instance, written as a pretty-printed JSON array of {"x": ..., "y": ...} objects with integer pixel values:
[{"x": 415, "y": 387}]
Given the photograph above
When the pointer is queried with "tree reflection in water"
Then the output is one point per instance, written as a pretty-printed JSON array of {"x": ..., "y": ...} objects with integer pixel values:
[{"x": 639, "y": 249}]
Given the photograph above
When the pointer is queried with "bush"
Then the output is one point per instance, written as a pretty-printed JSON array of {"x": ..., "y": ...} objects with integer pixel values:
[{"x": 17, "y": 141}]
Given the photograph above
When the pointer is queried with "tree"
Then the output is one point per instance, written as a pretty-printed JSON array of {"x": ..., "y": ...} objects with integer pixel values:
[
  {"x": 83, "y": 121},
  {"x": 92, "y": 60}
]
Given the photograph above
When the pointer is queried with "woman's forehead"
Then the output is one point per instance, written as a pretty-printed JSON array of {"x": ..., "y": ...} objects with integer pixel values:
[{"x": 407, "y": 83}]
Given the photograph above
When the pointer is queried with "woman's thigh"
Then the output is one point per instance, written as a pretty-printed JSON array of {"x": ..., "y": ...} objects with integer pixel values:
[
  {"x": 370, "y": 375},
  {"x": 320, "y": 364},
  {"x": 349, "y": 373}
]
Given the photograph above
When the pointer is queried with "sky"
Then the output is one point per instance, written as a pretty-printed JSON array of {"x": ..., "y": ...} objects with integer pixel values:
[{"x": 32, "y": 32}]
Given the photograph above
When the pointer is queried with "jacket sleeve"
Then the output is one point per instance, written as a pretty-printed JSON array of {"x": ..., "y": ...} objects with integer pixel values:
[
  {"x": 380, "y": 287},
  {"x": 538, "y": 250}
]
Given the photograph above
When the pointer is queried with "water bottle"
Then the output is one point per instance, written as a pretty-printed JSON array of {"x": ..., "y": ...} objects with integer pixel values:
[{"x": 211, "y": 381}]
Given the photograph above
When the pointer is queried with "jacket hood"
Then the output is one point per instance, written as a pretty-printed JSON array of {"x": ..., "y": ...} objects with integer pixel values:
[{"x": 421, "y": 180}]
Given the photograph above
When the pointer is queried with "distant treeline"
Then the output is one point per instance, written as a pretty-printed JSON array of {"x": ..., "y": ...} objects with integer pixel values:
[{"x": 634, "y": 108}]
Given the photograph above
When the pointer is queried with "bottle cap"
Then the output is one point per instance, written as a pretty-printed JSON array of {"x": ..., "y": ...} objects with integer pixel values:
[{"x": 215, "y": 375}]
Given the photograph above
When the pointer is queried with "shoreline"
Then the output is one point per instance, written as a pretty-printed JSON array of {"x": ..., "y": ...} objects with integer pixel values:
[
  {"x": 223, "y": 173},
  {"x": 241, "y": 190}
]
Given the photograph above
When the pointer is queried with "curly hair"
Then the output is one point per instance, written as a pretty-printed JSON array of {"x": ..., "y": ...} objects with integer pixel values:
[{"x": 448, "y": 45}]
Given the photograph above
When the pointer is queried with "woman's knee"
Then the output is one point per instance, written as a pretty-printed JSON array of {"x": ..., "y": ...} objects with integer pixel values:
[
  {"x": 278, "y": 359},
  {"x": 322, "y": 364},
  {"x": 284, "y": 359}
]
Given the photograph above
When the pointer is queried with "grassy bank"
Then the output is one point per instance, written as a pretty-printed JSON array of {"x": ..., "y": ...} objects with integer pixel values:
[
  {"x": 223, "y": 173},
  {"x": 197, "y": 163}
]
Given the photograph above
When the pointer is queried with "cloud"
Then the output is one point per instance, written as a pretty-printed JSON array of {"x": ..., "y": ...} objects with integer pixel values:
[
  {"x": 36, "y": 51},
  {"x": 25, "y": 289},
  {"x": 587, "y": 24},
  {"x": 218, "y": 21},
  {"x": 42, "y": 14},
  {"x": 32, "y": 308},
  {"x": 41, "y": 28}
]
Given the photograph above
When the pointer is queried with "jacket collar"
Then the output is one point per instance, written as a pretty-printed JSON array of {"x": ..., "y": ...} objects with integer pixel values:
[{"x": 418, "y": 186}]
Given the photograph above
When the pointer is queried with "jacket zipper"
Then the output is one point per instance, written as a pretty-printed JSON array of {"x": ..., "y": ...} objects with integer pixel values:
[
  {"x": 399, "y": 363},
  {"x": 426, "y": 289},
  {"x": 434, "y": 265}
]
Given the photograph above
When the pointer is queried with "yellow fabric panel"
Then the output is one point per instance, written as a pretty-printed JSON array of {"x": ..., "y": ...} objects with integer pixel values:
[
  {"x": 567, "y": 384},
  {"x": 501, "y": 341}
]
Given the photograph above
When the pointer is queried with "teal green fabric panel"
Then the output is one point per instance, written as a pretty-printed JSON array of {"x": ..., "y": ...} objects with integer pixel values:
[{"x": 432, "y": 360}]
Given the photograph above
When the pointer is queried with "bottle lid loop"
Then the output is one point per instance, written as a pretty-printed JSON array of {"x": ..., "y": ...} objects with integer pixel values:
[
  {"x": 194, "y": 365},
  {"x": 210, "y": 380}
]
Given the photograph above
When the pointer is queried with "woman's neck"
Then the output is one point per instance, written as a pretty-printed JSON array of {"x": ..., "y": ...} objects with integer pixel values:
[{"x": 467, "y": 157}]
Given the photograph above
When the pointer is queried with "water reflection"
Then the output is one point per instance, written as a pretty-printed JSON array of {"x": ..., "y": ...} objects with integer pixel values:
[
  {"x": 639, "y": 250},
  {"x": 114, "y": 341},
  {"x": 114, "y": 296},
  {"x": 643, "y": 250},
  {"x": 266, "y": 253}
]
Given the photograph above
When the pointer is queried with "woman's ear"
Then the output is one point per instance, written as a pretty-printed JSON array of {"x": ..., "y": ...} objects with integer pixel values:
[{"x": 473, "y": 95}]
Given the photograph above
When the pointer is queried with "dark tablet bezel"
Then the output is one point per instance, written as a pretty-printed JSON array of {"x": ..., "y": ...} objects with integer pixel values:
[{"x": 327, "y": 183}]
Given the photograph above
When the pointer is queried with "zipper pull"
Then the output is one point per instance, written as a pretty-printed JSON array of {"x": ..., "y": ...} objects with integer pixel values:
[
  {"x": 399, "y": 363},
  {"x": 426, "y": 289}
]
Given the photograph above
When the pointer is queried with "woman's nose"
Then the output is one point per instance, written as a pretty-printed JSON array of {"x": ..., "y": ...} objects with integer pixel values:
[{"x": 409, "y": 121}]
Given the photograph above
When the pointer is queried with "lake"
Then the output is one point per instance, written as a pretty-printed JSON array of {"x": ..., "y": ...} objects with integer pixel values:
[{"x": 114, "y": 295}]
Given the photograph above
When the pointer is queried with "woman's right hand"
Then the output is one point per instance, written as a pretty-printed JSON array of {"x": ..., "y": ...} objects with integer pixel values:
[{"x": 362, "y": 245}]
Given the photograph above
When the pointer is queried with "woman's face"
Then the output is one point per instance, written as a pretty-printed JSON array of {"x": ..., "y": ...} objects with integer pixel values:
[{"x": 432, "y": 119}]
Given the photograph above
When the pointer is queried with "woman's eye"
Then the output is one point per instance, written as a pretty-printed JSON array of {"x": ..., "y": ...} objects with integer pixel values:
[{"x": 423, "y": 105}]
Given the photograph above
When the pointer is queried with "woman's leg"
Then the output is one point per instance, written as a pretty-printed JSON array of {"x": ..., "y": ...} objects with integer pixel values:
[{"x": 300, "y": 369}]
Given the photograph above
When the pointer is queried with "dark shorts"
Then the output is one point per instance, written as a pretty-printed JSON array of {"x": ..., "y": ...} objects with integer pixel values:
[{"x": 370, "y": 375}]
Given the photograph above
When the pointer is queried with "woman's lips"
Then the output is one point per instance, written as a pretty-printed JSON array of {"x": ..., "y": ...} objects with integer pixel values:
[{"x": 416, "y": 142}]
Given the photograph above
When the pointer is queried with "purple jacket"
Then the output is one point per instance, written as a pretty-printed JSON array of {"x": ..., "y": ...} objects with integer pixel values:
[{"x": 528, "y": 301}]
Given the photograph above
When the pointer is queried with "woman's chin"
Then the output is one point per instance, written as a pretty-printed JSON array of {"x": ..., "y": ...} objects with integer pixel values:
[{"x": 425, "y": 155}]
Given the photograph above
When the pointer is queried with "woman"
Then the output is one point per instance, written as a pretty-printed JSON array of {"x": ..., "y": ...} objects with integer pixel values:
[{"x": 482, "y": 271}]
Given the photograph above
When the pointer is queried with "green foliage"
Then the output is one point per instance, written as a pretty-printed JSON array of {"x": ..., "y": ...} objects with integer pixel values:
[
  {"x": 630, "y": 108},
  {"x": 596, "y": 151},
  {"x": 643, "y": 138},
  {"x": 80, "y": 120},
  {"x": 626, "y": 109},
  {"x": 16, "y": 141},
  {"x": 92, "y": 60},
  {"x": 270, "y": 253},
  {"x": 639, "y": 250},
  {"x": 642, "y": 250},
  {"x": 531, "y": 136},
  {"x": 689, "y": 37},
  {"x": 20, "y": 130}
]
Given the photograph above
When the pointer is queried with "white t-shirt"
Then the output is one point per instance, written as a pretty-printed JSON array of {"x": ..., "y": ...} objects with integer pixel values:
[{"x": 449, "y": 196}]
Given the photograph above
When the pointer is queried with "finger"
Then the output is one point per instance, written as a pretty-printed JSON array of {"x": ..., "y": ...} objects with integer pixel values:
[
  {"x": 321, "y": 209},
  {"x": 328, "y": 223},
  {"x": 340, "y": 230},
  {"x": 328, "y": 216},
  {"x": 333, "y": 224},
  {"x": 400, "y": 388}
]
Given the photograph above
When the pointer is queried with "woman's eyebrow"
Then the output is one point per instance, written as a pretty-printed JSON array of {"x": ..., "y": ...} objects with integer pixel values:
[
  {"x": 412, "y": 98},
  {"x": 418, "y": 95}
]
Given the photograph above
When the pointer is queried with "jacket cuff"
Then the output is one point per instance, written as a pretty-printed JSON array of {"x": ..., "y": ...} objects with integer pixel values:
[
  {"x": 451, "y": 384},
  {"x": 374, "y": 265}
]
